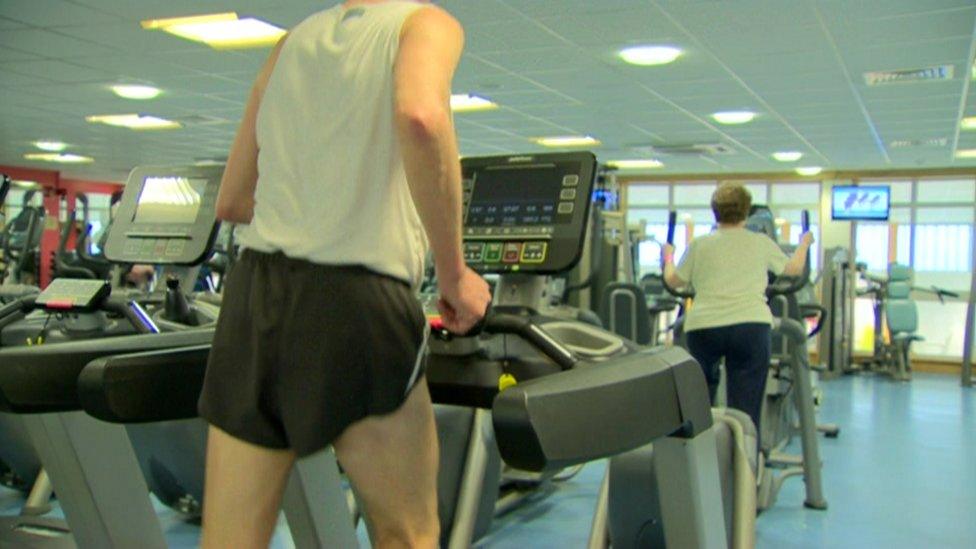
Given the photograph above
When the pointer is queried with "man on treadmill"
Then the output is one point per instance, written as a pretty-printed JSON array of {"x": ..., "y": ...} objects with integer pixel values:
[{"x": 344, "y": 166}]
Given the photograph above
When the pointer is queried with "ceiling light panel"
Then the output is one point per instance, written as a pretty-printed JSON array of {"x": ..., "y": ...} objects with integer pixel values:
[
  {"x": 220, "y": 31},
  {"x": 635, "y": 164},
  {"x": 61, "y": 158},
  {"x": 787, "y": 156},
  {"x": 809, "y": 171},
  {"x": 733, "y": 117},
  {"x": 134, "y": 121},
  {"x": 463, "y": 102},
  {"x": 135, "y": 91},
  {"x": 647, "y": 56},
  {"x": 568, "y": 141},
  {"x": 50, "y": 146}
]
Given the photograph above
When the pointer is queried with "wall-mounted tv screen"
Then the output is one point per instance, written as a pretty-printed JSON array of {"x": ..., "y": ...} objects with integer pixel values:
[{"x": 861, "y": 203}]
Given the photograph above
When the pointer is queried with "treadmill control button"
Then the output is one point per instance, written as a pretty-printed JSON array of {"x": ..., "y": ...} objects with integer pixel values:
[
  {"x": 513, "y": 251},
  {"x": 566, "y": 207},
  {"x": 493, "y": 252},
  {"x": 570, "y": 181},
  {"x": 534, "y": 252},
  {"x": 567, "y": 194},
  {"x": 473, "y": 251}
]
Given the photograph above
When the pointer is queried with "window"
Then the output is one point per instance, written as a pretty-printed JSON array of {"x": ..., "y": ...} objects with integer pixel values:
[
  {"x": 942, "y": 239},
  {"x": 946, "y": 191},
  {"x": 648, "y": 195},
  {"x": 693, "y": 194}
]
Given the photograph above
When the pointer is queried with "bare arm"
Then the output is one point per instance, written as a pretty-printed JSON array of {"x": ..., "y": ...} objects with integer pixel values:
[
  {"x": 670, "y": 273},
  {"x": 798, "y": 260},
  {"x": 431, "y": 42},
  {"x": 430, "y": 48},
  {"x": 235, "y": 201}
]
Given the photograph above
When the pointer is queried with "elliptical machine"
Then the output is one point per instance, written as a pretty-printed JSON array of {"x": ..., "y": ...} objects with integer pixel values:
[{"x": 789, "y": 393}]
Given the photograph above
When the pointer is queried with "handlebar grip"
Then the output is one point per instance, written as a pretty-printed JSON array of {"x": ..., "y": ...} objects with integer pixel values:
[
  {"x": 805, "y": 220},
  {"x": 672, "y": 223}
]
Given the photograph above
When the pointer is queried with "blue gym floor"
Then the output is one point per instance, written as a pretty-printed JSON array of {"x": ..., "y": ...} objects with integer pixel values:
[{"x": 902, "y": 474}]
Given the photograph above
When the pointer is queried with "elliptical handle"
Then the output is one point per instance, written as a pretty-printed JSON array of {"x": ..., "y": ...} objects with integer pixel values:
[
  {"x": 672, "y": 224},
  {"x": 805, "y": 221}
]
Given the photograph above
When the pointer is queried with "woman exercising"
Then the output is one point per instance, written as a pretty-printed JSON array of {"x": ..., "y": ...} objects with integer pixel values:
[
  {"x": 730, "y": 318},
  {"x": 344, "y": 167}
]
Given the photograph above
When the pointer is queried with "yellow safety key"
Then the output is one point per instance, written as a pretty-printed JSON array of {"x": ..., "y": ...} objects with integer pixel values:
[{"x": 506, "y": 381}]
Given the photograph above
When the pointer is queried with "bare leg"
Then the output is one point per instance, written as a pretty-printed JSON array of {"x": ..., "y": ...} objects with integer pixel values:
[
  {"x": 243, "y": 491},
  {"x": 391, "y": 462}
]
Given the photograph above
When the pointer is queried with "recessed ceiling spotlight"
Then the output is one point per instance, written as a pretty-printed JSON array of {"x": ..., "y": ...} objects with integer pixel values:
[
  {"x": 734, "y": 117},
  {"x": 635, "y": 164},
  {"x": 647, "y": 56},
  {"x": 787, "y": 156},
  {"x": 966, "y": 153},
  {"x": 134, "y": 121},
  {"x": 463, "y": 102},
  {"x": 220, "y": 30},
  {"x": 135, "y": 91},
  {"x": 809, "y": 171},
  {"x": 62, "y": 158},
  {"x": 567, "y": 141},
  {"x": 51, "y": 146}
]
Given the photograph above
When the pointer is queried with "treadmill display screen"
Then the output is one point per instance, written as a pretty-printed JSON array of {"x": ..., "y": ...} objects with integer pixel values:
[
  {"x": 169, "y": 200},
  {"x": 519, "y": 196}
]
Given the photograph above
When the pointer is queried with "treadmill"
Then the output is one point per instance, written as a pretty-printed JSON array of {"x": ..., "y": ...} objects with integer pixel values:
[
  {"x": 166, "y": 217},
  {"x": 556, "y": 393}
]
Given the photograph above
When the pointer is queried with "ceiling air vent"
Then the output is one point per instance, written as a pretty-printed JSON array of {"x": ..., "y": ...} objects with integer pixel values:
[
  {"x": 910, "y": 143},
  {"x": 690, "y": 149},
  {"x": 926, "y": 74}
]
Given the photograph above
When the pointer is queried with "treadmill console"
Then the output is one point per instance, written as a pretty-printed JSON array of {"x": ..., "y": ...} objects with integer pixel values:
[
  {"x": 167, "y": 215},
  {"x": 526, "y": 213}
]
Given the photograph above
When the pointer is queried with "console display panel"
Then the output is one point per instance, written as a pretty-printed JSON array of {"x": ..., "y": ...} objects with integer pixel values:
[
  {"x": 861, "y": 203},
  {"x": 517, "y": 197},
  {"x": 169, "y": 200},
  {"x": 166, "y": 216},
  {"x": 526, "y": 213}
]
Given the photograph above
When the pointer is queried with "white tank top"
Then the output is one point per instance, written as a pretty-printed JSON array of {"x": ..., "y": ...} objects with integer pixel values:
[{"x": 331, "y": 187}]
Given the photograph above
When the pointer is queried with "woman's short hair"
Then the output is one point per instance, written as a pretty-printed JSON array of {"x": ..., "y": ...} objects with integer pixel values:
[{"x": 731, "y": 202}]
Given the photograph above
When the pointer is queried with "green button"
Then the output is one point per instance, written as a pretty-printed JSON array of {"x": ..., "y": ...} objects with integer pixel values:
[{"x": 493, "y": 252}]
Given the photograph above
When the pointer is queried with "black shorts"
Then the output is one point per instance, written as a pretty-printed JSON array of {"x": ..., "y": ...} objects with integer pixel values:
[{"x": 304, "y": 350}]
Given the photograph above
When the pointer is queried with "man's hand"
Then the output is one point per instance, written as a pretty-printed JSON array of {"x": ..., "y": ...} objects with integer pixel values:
[{"x": 464, "y": 301}]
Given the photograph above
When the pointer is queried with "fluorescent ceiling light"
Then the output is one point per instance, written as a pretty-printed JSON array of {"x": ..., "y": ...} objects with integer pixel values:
[
  {"x": 135, "y": 91},
  {"x": 63, "y": 158},
  {"x": 51, "y": 146},
  {"x": 646, "y": 56},
  {"x": 787, "y": 156},
  {"x": 134, "y": 121},
  {"x": 969, "y": 123},
  {"x": 567, "y": 141},
  {"x": 221, "y": 30},
  {"x": 966, "y": 153},
  {"x": 463, "y": 102},
  {"x": 635, "y": 164},
  {"x": 26, "y": 185},
  {"x": 734, "y": 117},
  {"x": 809, "y": 170}
]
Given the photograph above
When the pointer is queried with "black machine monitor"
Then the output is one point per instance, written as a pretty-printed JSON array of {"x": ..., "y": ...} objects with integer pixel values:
[
  {"x": 167, "y": 215},
  {"x": 861, "y": 203},
  {"x": 526, "y": 213}
]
